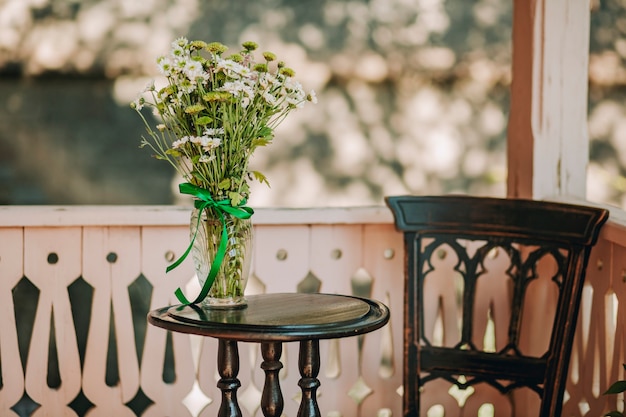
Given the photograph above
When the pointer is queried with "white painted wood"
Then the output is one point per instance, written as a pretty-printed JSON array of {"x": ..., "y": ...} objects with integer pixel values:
[
  {"x": 179, "y": 215},
  {"x": 207, "y": 376},
  {"x": 326, "y": 243},
  {"x": 168, "y": 397},
  {"x": 383, "y": 258},
  {"x": 547, "y": 136},
  {"x": 598, "y": 349},
  {"x": 110, "y": 281},
  {"x": 593, "y": 343},
  {"x": 281, "y": 256},
  {"x": 11, "y": 261},
  {"x": 561, "y": 143},
  {"x": 53, "y": 306}
]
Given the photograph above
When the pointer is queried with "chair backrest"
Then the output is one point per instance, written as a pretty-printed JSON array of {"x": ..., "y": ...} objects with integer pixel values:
[{"x": 474, "y": 264}]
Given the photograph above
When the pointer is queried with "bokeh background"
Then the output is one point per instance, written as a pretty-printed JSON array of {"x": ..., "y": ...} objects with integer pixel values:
[{"x": 413, "y": 97}]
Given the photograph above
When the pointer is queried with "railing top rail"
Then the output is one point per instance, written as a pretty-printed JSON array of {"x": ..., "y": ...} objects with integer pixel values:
[{"x": 63, "y": 216}]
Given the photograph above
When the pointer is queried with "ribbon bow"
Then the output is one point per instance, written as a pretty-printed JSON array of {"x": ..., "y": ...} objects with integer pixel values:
[{"x": 205, "y": 200}]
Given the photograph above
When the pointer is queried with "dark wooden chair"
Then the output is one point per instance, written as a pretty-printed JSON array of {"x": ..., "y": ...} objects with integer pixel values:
[{"x": 500, "y": 264}]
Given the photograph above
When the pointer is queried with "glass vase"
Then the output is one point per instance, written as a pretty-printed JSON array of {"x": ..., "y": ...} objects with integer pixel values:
[{"x": 230, "y": 282}]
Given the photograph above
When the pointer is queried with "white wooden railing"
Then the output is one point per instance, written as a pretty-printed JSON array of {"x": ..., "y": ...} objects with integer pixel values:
[{"x": 76, "y": 283}]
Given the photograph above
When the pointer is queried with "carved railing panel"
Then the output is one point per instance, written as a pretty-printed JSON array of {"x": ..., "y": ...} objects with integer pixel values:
[
  {"x": 600, "y": 342},
  {"x": 111, "y": 263},
  {"x": 52, "y": 262},
  {"x": 74, "y": 340},
  {"x": 80, "y": 294},
  {"x": 11, "y": 364}
]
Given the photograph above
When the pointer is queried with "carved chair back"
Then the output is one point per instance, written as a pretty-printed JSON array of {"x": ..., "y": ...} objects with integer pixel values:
[{"x": 492, "y": 295}]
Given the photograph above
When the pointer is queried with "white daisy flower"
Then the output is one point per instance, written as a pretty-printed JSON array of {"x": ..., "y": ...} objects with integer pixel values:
[
  {"x": 212, "y": 143},
  {"x": 267, "y": 80},
  {"x": 232, "y": 68},
  {"x": 245, "y": 72},
  {"x": 180, "y": 142},
  {"x": 193, "y": 70},
  {"x": 209, "y": 143},
  {"x": 214, "y": 131},
  {"x": 149, "y": 86},
  {"x": 269, "y": 98},
  {"x": 165, "y": 65},
  {"x": 236, "y": 88},
  {"x": 178, "y": 47}
]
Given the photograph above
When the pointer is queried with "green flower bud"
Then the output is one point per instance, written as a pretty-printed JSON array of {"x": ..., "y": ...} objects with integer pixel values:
[
  {"x": 287, "y": 72},
  {"x": 250, "y": 46},
  {"x": 216, "y": 48},
  {"x": 236, "y": 58},
  {"x": 269, "y": 56},
  {"x": 261, "y": 68},
  {"x": 196, "y": 45}
]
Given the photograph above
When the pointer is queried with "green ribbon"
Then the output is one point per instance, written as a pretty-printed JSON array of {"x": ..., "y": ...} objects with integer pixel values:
[{"x": 203, "y": 201}]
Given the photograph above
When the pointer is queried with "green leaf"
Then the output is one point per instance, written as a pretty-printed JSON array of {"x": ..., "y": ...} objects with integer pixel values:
[
  {"x": 616, "y": 387},
  {"x": 265, "y": 131},
  {"x": 235, "y": 198},
  {"x": 224, "y": 184},
  {"x": 197, "y": 175},
  {"x": 203, "y": 121},
  {"x": 260, "y": 178},
  {"x": 173, "y": 152},
  {"x": 261, "y": 141}
]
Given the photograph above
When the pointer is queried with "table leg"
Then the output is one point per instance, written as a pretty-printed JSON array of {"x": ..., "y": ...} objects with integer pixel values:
[
  {"x": 228, "y": 368},
  {"x": 272, "y": 398},
  {"x": 309, "y": 364}
]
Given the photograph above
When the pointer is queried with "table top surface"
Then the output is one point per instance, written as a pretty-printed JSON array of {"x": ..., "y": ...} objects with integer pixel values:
[{"x": 278, "y": 317}]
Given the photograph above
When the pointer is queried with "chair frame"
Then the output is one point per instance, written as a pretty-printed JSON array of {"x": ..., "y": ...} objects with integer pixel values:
[{"x": 565, "y": 232}]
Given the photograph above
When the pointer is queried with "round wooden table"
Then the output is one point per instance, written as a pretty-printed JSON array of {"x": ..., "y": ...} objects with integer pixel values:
[{"x": 271, "y": 319}]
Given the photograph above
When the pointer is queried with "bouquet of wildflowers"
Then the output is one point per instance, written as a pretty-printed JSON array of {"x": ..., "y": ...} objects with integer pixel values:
[{"x": 215, "y": 112}]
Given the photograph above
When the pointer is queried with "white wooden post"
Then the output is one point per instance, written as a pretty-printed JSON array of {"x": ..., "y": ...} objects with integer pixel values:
[{"x": 548, "y": 144}]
